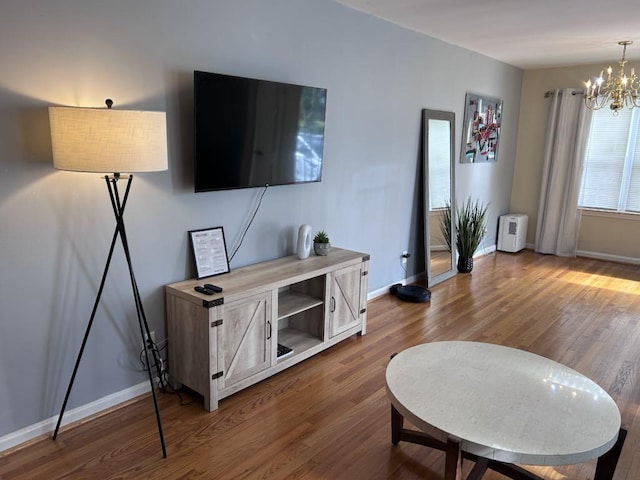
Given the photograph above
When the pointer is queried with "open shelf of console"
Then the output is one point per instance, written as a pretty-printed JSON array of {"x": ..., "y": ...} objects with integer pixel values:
[
  {"x": 290, "y": 303},
  {"x": 223, "y": 343},
  {"x": 297, "y": 340}
]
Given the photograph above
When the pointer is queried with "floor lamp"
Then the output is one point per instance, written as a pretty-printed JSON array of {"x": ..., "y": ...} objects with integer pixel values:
[{"x": 106, "y": 140}]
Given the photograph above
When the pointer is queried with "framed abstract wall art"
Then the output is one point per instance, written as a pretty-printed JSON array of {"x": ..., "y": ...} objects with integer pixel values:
[{"x": 481, "y": 129}]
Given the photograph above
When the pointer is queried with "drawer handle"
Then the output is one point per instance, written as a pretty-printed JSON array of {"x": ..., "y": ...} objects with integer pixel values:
[
  {"x": 333, "y": 304},
  {"x": 270, "y": 331}
]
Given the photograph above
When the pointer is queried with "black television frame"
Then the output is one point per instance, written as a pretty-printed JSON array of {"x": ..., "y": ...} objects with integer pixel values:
[{"x": 227, "y": 160}]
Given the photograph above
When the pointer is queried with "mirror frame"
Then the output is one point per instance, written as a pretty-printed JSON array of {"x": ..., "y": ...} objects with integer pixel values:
[{"x": 451, "y": 118}]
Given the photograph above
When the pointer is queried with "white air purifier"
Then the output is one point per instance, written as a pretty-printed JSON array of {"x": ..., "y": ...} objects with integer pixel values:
[{"x": 512, "y": 232}]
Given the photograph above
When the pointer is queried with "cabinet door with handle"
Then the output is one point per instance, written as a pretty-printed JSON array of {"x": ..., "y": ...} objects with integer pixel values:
[
  {"x": 344, "y": 301},
  {"x": 244, "y": 345}
]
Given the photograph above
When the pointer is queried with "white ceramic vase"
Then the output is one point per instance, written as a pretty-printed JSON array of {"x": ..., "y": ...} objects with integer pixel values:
[{"x": 304, "y": 241}]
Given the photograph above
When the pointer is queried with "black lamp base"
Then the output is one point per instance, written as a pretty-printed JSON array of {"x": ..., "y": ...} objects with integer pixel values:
[{"x": 118, "y": 210}]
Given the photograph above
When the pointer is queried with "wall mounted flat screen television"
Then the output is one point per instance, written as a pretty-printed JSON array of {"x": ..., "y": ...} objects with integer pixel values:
[{"x": 254, "y": 133}]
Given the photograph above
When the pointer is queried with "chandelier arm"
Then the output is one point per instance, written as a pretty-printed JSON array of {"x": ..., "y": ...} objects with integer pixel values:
[{"x": 616, "y": 91}]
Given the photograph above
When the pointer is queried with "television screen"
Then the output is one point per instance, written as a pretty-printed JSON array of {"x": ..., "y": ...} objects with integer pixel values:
[{"x": 253, "y": 133}]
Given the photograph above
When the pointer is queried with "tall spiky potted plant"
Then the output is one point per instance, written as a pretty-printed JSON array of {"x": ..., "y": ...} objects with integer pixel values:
[
  {"x": 445, "y": 224},
  {"x": 471, "y": 226}
]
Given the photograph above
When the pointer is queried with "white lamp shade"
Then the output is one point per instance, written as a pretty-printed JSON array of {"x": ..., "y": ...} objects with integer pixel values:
[{"x": 107, "y": 140}]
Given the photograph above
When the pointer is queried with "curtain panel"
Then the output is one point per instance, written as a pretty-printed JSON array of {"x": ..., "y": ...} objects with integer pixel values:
[{"x": 558, "y": 222}]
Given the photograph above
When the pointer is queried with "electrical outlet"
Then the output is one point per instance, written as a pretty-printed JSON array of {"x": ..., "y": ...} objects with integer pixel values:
[
  {"x": 404, "y": 256},
  {"x": 152, "y": 335}
]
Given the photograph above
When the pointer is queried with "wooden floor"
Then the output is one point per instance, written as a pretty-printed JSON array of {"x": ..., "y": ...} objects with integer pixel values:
[{"x": 328, "y": 417}]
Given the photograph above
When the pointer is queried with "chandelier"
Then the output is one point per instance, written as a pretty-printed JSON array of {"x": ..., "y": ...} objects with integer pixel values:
[{"x": 617, "y": 92}]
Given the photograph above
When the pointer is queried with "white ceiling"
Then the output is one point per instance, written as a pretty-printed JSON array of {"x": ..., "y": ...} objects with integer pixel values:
[{"x": 524, "y": 33}]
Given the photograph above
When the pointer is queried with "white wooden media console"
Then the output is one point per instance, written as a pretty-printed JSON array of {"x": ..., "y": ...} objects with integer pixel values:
[{"x": 222, "y": 343}]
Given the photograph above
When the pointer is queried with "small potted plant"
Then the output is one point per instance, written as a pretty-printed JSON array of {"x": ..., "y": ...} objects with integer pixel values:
[
  {"x": 471, "y": 226},
  {"x": 321, "y": 244}
]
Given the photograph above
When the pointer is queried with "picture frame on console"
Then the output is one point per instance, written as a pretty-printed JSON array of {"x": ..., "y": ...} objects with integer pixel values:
[{"x": 209, "y": 251}]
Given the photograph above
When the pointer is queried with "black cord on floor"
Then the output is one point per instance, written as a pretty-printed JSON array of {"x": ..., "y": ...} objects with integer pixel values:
[
  {"x": 163, "y": 375},
  {"x": 173, "y": 391}
]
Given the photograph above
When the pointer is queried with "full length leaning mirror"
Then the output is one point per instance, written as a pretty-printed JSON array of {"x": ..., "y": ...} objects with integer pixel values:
[{"x": 439, "y": 205}]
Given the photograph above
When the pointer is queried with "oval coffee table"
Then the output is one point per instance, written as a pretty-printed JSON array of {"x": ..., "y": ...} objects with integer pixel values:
[{"x": 499, "y": 406}]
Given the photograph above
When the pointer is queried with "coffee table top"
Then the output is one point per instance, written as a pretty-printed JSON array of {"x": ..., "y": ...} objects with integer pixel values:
[{"x": 503, "y": 403}]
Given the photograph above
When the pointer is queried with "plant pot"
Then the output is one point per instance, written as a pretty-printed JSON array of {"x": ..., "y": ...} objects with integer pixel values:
[
  {"x": 322, "y": 249},
  {"x": 465, "y": 264}
]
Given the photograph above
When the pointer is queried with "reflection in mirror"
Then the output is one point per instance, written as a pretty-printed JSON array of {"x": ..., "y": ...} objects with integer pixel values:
[{"x": 439, "y": 128}]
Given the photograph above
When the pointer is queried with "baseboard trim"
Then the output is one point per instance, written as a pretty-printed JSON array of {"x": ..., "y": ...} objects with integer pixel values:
[
  {"x": 79, "y": 413},
  {"x": 608, "y": 257},
  {"x": 485, "y": 251},
  {"x": 420, "y": 276},
  {"x": 599, "y": 256}
]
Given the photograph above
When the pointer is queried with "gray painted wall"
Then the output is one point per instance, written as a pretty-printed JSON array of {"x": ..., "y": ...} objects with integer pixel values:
[{"x": 56, "y": 226}]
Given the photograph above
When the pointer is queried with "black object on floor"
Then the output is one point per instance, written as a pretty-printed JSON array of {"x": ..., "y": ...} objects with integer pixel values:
[{"x": 410, "y": 293}]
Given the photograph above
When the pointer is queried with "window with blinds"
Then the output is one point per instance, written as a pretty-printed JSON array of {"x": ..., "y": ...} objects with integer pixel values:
[{"x": 611, "y": 179}]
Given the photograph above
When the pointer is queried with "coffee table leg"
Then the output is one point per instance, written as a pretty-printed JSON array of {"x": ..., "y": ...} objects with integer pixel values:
[
  {"x": 607, "y": 463},
  {"x": 397, "y": 421},
  {"x": 453, "y": 460}
]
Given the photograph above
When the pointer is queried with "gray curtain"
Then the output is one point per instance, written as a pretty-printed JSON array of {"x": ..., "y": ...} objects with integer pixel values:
[{"x": 558, "y": 215}]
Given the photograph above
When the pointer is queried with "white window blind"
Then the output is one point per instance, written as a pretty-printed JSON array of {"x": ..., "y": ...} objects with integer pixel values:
[
  {"x": 611, "y": 179},
  {"x": 633, "y": 199}
]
